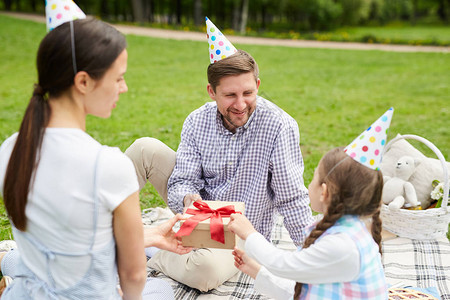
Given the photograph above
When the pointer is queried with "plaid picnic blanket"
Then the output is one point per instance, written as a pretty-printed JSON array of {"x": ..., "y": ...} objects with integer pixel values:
[
  {"x": 415, "y": 263},
  {"x": 418, "y": 263}
]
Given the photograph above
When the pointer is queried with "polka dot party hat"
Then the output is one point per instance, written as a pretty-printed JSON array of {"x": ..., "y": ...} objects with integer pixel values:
[
  {"x": 60, "y": 11},
  {"x": 368, "y": 147},
  {"x": 219, "y": 46}
]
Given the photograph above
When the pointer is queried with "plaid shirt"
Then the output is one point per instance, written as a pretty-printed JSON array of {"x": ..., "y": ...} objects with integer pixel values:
[{"x": 260, "y": 164}]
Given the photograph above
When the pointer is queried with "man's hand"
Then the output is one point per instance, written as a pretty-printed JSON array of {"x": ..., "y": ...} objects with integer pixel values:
[
  {"x": 241, "y": 226},
  {"x": 189, "y": 199},
  {"x": 163, "y": 237}
]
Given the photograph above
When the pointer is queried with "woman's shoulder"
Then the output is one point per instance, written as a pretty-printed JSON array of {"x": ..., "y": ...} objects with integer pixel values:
[
  {"x": 114, "y": 157},
  {"x": 9, "y": 142},
  {"x": 117, "y": 177}
]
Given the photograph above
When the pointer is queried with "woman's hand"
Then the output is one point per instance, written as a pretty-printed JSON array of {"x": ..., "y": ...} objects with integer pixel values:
[
  {"x": 241, "y": 226},
  {"x": 163, "y": 237}
]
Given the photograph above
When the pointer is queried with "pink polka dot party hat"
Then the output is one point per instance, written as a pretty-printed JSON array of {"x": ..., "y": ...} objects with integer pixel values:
[
  {"x": 60, "y": 11},
  {"x": 219, "y": 46},
  {"x": 367, "y": 148}
]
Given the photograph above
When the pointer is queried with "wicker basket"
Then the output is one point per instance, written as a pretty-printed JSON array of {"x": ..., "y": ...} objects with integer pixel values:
[{"x": 425, "y": 224}]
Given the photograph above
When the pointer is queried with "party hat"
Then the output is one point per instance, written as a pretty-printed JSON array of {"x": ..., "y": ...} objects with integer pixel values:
[
  {"x": 219, "y": 46},
  {"x": 367, "y": 148},
  {"x": 61, "y": 11}
]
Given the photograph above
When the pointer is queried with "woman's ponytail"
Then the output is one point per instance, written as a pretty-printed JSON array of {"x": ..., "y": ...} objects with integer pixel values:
[
  {"x": 97, "y": 46},
  {"x": 25, "y": 157}
]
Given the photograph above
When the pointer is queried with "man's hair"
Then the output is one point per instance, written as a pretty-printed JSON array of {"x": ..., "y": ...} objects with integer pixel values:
[{"x": 239, "y": 63}]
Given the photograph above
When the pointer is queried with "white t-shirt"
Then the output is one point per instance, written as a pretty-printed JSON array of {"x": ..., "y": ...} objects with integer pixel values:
[
  {"x": 60, "y": 208},
  {"x": 333, "y": 258}
]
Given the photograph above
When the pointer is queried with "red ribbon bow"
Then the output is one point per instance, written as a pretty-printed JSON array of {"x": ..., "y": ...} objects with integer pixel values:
[{"x": 205, "y": 212}]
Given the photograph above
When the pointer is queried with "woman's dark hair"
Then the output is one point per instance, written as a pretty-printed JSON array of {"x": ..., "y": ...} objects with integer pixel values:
[
  {"x": 353, "y": 189},
  {"x": 96, "y": 45}
]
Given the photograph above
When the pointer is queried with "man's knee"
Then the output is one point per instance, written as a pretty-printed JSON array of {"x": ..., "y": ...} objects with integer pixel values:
[
  {"x": 203, "y": 269},
  {"x": 148, "y": 145},
  {"x": 153, "y": 161},
  {"x": 152, "y": 150}
]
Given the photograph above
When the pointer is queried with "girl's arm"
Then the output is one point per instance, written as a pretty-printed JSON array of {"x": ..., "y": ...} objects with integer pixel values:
[
  {"x": 129, "y": 236},
  {"x": 334, "y": 258},
  {"x": 265, "y": 282},
  {"x": 273, "y": 286}
]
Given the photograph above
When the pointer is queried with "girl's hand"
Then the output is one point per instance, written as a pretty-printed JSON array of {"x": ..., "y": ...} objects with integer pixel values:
[
  {"x": 241, "y": 226},
  {"x": 246, "y": 264},
  {"x": 163, "y": 237}
]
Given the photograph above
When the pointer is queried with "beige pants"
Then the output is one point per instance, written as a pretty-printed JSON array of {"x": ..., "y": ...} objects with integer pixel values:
[
  {"x": 203, "y": 269},
  {"x": 154, "y": 162}
]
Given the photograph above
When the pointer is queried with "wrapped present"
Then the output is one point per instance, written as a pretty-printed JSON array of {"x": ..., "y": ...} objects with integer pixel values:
[{"x": 207, "y": 227}]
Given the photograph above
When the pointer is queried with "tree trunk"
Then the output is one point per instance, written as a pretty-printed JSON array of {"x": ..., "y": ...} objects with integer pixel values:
[
  {"x": 8, "y": 4},
  {"x": 414, "y": 12},
  {"x": 220, "y": 13},
  {"x": 104, "y": 11},
  {"x": 149, "y": 7},
  {"x": 235, "y": 18},
  {"x": 263, "y": 15},
  {"x": 198, "y": 20},
  {"x": 138, "y": 11},
  {"x": 178, "y": 11},
  {"x": 444, "y": 10},
  {"x": 244, "y": 16},
  {"x": 33, "y": 5}
]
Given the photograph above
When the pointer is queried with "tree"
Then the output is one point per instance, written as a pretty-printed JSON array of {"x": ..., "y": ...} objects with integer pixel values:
[
  {"x": 178, "y": 11},
  {"x": 138, "y": 10},
  {"x": 444, "y": 10},
  {"x": 33, "y": 5},
  {"x": 236, "y": 15},
  {"x": 414, "y": 12},
  {"x": 149, "y": 10},
  {"x": 244, "y": 16},
  {"x": 198, "y": 18},
  {"x": 104, "y": 10},
  {"x": 8, "y": 4}
]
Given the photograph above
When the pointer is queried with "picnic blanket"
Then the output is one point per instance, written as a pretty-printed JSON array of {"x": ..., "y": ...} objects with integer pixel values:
[{"x": 415, "y": 263}]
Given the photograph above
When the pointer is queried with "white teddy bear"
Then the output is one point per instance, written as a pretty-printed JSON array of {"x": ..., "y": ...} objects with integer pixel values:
[{"x": 397, "y": 191}]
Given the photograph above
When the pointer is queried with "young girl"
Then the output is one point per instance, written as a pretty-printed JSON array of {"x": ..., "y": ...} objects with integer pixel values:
[{"x": 340, "y": 259}]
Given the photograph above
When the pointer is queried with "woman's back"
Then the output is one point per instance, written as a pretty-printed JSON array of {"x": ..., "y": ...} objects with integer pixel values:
[{"x": 60, "y": 210}]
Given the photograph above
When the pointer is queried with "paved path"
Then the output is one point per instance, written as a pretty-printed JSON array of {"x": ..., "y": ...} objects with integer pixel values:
[{"x": 197, "y": 36}]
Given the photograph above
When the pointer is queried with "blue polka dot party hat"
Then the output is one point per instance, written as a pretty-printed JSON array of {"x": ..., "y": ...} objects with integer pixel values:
[
  {"x": 367, "y": 148},
  {"x": 60, "y": 11},
  {"x": 219, "y": 46}
]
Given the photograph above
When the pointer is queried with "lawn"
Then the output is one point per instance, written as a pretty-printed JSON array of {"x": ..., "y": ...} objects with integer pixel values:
[
  {"x": 430, "y": 35},
  {"x": 333, "y": 94},
  {"x": 397, "y": 34}
]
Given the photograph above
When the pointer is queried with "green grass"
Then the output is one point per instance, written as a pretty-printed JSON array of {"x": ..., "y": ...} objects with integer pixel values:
[
  {"x": 436, "y": 35},
  {"x": 333, "y": 94},
  {"x": 396, "y": 34}
]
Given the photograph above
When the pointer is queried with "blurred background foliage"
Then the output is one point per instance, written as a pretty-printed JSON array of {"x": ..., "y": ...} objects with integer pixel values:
[{"x": 265, "y": 15}]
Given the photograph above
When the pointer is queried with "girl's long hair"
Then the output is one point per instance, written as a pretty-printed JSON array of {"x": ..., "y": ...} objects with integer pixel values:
[
  {"x": 353, "y": 189},
  {"x": 97, "y": 45}
]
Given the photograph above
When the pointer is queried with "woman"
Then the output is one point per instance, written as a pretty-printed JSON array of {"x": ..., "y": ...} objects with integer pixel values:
[{"x": 73, "y": 203}]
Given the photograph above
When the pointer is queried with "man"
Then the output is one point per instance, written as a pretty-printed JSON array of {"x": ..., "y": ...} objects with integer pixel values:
[{"x": 241, "y": 147}]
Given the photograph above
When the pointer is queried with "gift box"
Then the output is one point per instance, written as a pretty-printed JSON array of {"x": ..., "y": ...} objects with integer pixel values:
[{"x": 207, "y": 227}]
